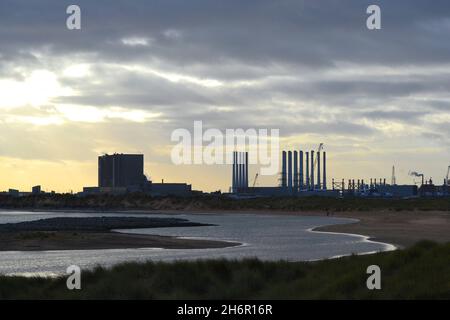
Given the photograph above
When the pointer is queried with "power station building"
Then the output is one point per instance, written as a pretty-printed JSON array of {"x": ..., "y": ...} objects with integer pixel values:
[
  {"x": 121, "y": 171},
  {"x": 124, "y": 173}
]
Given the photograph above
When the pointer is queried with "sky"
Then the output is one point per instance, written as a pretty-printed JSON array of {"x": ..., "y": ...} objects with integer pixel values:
[{"x": 137, "y": 70}]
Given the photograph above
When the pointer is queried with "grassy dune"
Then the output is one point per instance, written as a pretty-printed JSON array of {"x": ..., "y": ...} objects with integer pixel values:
[
  {"x": 422, "y": 271},
  {"x": 218, "y": 202}
]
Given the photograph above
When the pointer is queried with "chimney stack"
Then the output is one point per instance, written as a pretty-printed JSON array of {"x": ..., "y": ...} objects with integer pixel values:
[
  {"x": 295, "y": 171},
  {"x": 233, "y": 180},
  {"x": 241, "y": 170},
  {"x": 283, "y": 170},
  {"x": 324, "y": 183},
  {"x": 246, "y": 170},
  {"x": 289, "y": 183},
  {"x": 308, "y": 185},
  {"x": 312, "y": 170},
  {"x": 301, "y": 171},
  {"x": 318, "y": 171}
]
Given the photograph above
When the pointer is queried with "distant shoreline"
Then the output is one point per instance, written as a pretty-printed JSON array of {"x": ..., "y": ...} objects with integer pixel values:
[{"x": 140, "y": 202}]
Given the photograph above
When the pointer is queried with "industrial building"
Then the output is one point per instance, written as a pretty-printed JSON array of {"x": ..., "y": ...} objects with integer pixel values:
[
  {"x": 171, "y": 189},
  {"x": 36, "y": 190},
  {"x": 375, "y": 188},
  {"x": 302, "y": 174},
  {"x": 14, "y": 192},
  {"x": 397, "y": 191},
  {"x": 431, "y": 190},
  {"x": 124, "y": 173},
  {"x": 104, "y": 190},
  {"x": 301, "y": 171},
  {"x": 240, "y": 172},
  {"x": 121, "y": 171}
]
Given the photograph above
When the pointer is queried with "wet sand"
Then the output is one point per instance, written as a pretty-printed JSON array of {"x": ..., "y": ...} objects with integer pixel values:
[
  {"x": 66, "y": 233},
  {"x": 65, "y": 240}
]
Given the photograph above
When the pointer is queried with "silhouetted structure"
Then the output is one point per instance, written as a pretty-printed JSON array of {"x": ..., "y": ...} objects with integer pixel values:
[
  {"x": 121, "y": 171},
  {"x": 240, "y": 171},
  {"x": 171, "y": 189},
  {"x": 124, "y": 173},
  {"x": 36, "y": 190}
]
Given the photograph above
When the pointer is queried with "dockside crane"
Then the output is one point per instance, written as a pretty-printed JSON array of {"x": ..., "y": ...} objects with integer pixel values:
[
  {"x": 254, "y": 180},
  {"x": 320, "y": 148},
  {"x": 447, "y": 182}
]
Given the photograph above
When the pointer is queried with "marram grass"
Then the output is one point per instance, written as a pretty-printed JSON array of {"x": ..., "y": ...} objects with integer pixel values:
[{"x": 420, "y": 272}]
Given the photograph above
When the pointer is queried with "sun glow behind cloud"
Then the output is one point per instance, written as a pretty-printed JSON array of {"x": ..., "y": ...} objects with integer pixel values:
[
  {"x": 77, "y": 70},
  {"x": 374, "y": 99},
  {"x": 36, "y": 90},
  {"x": 93, "y": 114}
]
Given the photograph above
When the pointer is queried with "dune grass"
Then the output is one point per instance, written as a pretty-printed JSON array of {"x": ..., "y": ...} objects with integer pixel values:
[
  {"x": 422, "y": 271},
  {"x": 137, "y": 201}
]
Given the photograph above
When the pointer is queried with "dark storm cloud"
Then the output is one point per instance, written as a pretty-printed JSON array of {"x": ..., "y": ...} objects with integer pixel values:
[
  {"x": 309, "y": 33},
  {"x": 325, "y": 129},
  {"x": 439, "y": 105}
]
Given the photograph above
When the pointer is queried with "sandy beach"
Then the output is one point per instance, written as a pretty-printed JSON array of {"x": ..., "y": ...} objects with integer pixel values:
[
  {"x": 400, "y": 228},
  {"x": 63, "y": 240}
]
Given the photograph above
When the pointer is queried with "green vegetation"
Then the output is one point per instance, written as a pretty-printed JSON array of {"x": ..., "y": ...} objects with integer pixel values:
[
  {"x": 422, "y": 271},
  {"x": 217, "y": 202}
]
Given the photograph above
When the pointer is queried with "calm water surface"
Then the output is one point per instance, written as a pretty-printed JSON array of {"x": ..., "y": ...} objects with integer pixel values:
[{"x": 263, "y": 236}]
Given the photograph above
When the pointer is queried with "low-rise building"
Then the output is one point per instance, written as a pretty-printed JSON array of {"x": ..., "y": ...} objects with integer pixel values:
[
  {"x": 36, "y": 190},
  {"x": 397, "y": 191},
  {"x": 170, "y": 189}
]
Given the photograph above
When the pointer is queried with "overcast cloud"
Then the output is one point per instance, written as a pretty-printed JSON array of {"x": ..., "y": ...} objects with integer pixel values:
[{"x": 139, "y": 69}]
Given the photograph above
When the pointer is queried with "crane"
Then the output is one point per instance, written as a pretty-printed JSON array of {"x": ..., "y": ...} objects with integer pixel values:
[
  {"x": 315, "y": 163},
  {"x": 254, "y": 181},
  {"x": 393, "y": 179},
  {"x": 447, "y": 182}
]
